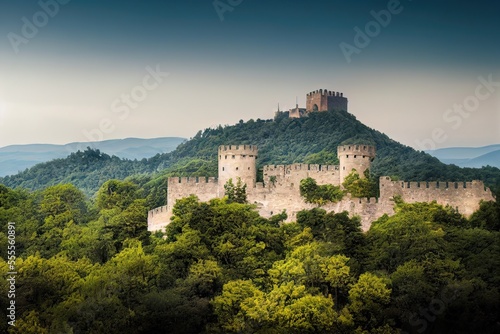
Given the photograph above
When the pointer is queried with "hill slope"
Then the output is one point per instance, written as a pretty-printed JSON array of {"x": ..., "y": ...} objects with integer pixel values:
[
  {"x": 315, "y": 139},
  {"x": 281, "y": 141},
  {"x": 15, "y": 158}
]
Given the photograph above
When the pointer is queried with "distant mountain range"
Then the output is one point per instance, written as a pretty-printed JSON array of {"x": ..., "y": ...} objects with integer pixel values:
[
  {"x": 16, "y": 158},
  {"x": 476, "y": 157}
]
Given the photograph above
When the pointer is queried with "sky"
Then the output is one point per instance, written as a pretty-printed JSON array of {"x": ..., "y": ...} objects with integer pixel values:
[{"x": 426, "y": 73}]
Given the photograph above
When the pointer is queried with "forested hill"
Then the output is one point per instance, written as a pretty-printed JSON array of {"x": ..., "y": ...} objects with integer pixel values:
[
  {"x": 281, "y": 141},
  {"x": 87, "y": 170},
  {"x": 315, "y": 139}
]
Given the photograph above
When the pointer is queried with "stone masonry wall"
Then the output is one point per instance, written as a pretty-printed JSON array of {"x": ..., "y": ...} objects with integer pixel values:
[
  {"x": 180, "y": 187},
  {"x": 462, "y": 196},
  {"x": 292, "y": 174},
  {"x": 273, "y": 199},
  {"x": 281, "y": 188},
  {"x": 158, "y": 218}
]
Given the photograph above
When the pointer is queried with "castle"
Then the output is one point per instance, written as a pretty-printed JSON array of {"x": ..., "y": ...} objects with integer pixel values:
[
  {"x": 280, "y": 189},
  {"x": 320, "y": 100}
]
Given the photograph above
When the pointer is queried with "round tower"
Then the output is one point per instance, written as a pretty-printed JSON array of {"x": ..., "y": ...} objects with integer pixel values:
[
  {"x": 237, "y": 161},
  {"x": 358, "y": 157}
]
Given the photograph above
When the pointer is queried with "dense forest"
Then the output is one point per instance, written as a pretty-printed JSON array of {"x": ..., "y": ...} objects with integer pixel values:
[
  {"x": 85, "y": 262},
  {"x": 92, "y": 267},
  {"x": 313, "y": 139}
]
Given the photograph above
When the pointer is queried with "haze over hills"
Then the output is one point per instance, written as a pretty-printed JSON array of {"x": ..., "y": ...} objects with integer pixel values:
[
  {"x": 476, "y": 157},
  {"x": 16, "y": 158}
]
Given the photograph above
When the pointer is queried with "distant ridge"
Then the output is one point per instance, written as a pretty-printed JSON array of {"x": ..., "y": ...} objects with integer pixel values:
[
  {"x": 476, "y": 157},
  {"x": 15, "y": 158}
]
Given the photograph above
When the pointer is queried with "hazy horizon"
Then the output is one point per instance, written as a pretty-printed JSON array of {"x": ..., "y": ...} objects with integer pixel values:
[{"x": 68, "y": 81}]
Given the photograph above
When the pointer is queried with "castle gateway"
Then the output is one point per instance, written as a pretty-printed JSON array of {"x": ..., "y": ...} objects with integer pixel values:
[{"x": 280, "y": 189}]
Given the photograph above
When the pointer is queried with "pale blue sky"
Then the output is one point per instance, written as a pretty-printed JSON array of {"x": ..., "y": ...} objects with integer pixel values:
[{"x": 65, "y": 82}]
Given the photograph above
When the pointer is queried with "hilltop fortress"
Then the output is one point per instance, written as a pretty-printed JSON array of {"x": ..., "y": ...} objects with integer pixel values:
[
  {"x": 320, "y": 100},
  {"x": 280, "y": 189}
]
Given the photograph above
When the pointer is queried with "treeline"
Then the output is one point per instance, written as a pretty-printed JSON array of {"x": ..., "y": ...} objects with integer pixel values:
[
  {"x": 92, "y": 267},
  {"x": 313, "y": 139},
  {"x": 87, "y": 170}
]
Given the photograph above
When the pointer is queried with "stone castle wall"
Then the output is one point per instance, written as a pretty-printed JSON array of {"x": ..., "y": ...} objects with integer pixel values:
[
  {"x": 273, "y": 199},
  {"x": 281, "y": 190},
  {"x": 462, "y": 196},
  {"x": 158, "y": 218},
  {"x": 296, "y": 112},
  {"x": 281, "y": 187},
  {"x": 292, "y": 174},
  {"x": 180, "y": 187}
]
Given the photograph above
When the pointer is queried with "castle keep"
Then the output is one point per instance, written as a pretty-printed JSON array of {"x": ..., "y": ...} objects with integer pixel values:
[
  {"x": 320, "y": 100},
  {"x": 280, "y": 189}
]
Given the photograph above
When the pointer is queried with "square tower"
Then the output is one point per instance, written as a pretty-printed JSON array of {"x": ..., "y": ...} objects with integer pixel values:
[{"x": 325, "y": 100}]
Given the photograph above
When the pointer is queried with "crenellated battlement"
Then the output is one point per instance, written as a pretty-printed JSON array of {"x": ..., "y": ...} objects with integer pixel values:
[
  {"x": 158, "y": 210},
  {"x": 300, "y": 167},
  {"x": 324, "y": 92},
  {"x": 191, "y": 180},
  {"x": 364, "y": 200},
  {"x": 239, "y": 149},
  {"x": 361, "y": 151},
  {"x": 439, "y": 185},
  {"x": 273, "y": 168},
  {"x": 385, "y": 182}
]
